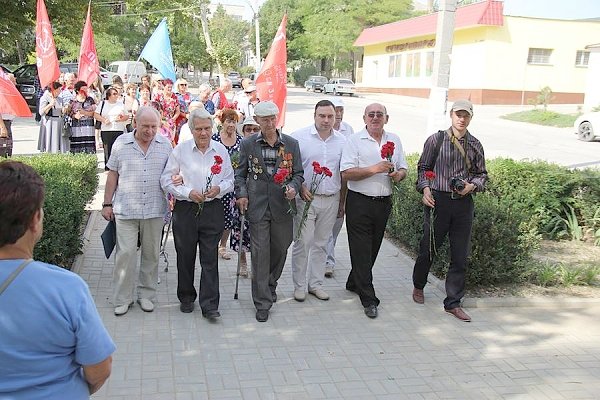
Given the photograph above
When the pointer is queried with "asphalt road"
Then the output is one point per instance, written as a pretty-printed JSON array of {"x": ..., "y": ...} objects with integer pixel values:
[{"x": 408, "y": 118}]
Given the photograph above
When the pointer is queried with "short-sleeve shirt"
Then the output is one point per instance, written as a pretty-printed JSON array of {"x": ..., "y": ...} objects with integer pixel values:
[
  {"x": 138, "y": 194},
  {"x": 49, "y": 329},
  {"x": 362, "y": 151}
]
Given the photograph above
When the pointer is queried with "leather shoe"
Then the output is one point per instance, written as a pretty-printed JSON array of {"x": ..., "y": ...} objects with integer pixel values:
[
  {"x": 122, "y": 310},
  {"x": 371, "y": 311},
  {"x": 459, "y": 313},
  {"x": 146, "y": 305},
  {"x": 211, "y": 314},
  {"x": 262, "y": 315},
  {"x": 418, "y": 296},
  {"x": 186, "y": 307},
  {"x": 299, "y": 295},
  {"x": 319, "y": 294},
  {"x": 328, "y": 272}
]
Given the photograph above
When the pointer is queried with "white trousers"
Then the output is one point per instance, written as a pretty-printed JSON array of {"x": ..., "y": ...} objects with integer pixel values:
[
  {"x": 309, "y": 251},
  {"x": 126, "y": 259}
]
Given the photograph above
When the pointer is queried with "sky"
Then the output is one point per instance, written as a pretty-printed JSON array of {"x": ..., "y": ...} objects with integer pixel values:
[{"x": 560, "y": 9}]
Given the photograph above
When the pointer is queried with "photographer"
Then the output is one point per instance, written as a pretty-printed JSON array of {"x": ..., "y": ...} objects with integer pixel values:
[{"x": 450, "y": 170}]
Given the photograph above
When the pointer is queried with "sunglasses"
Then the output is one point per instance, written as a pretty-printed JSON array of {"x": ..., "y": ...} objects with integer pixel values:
[{"x": 375, "y": 114}]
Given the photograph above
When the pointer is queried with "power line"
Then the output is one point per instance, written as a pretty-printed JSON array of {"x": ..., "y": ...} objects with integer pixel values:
[{"x": 153, "y": 12}]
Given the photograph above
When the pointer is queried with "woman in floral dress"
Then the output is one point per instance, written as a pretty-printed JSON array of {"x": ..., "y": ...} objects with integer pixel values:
[
  {"x": 231, "y": 140},
  {"x": 169, "y": 105},
  {"x": 81, "y": 112}
]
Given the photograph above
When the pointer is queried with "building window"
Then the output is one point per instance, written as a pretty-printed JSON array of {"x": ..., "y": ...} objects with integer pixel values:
[
  {"x": 582, "y": 58},
  {"x": 413, "y": 64},
  {"x": 395, "y": 66},
  {"x": 429, "y": 63},
  {"x": 539, "y": 56}
]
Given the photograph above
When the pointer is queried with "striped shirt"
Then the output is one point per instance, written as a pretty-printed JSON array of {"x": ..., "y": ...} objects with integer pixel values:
[
  {"x": 269, "y": 153},
  {"x": 450, "y": 163},
  {"x": 138, "y": 194}
]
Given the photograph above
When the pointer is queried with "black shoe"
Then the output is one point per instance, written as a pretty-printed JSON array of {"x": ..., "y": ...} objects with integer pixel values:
[
  {"x": 211, "y": 314},
  {"x": 262, "y": 315},
  {"x": 371, "y": 311},
  {"x": 186, "y": 307}
]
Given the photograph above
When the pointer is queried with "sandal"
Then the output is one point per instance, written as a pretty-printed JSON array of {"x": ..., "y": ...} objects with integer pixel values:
[{"x": 223, "y": 253}]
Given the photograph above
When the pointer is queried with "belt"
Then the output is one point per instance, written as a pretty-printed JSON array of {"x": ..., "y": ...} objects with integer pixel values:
[
  {"x": 325, "y": 195},
  {"x": 451, "y": 195},
  {"x": 372, "y": 198}
]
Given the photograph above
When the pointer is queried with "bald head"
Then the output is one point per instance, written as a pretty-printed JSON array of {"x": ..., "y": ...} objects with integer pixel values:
[{"x": 146, "y": 112}]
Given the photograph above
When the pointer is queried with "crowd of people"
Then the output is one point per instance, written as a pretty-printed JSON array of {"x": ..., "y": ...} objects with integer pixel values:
[{"x": 286, "y": 190}]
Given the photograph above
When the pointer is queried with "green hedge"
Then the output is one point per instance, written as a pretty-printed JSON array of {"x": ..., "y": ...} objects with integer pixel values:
[
  {"x": 521, "y": 204},
  {"x": 71, "y": 182}
]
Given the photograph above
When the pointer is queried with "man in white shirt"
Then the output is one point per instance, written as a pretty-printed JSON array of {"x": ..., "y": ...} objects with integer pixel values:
[
  {"x": 319, "y": 143},
  {"x": 198, "y": 219},
  {"x": 346, "y": 130},
  {"x": 368, "y": 203}
]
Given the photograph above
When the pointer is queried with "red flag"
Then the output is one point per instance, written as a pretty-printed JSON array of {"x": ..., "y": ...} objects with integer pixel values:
[
  {"x": 11, "y": 101},
  {"x": 45, "y": 50},
  {"x": 272, "y": 79},
  {"x": 89, "y": 68}
]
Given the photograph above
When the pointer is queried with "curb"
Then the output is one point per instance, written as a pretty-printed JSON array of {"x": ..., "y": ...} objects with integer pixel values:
[
  {"x": 513, "y": 301},
  {"x": 87, "y": 234}
]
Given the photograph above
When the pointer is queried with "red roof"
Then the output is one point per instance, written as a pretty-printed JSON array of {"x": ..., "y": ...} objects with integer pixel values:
[{"x": 484, "y": 13}]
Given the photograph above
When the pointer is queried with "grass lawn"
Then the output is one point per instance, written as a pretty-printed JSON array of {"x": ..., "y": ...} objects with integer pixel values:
[{"x": 542, "y": 117}]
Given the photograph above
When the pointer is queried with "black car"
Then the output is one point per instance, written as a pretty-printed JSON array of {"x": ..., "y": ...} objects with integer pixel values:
[
  {"x": 26, "y": 74},
  {"x": 315, "y": 83},
  {"x": 5, "y": 69}
]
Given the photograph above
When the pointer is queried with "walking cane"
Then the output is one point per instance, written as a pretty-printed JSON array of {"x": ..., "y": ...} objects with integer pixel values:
[{"x": 239, "y": 262}]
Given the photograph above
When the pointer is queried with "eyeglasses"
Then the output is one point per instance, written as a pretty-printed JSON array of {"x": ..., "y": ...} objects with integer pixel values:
[
  {"x": 183, "y": 84},
  {"x": 378, "y": 114},
  {"x": 247, "y": 128}
]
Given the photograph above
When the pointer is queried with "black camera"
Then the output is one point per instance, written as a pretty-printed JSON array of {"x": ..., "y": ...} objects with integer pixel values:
[{"x": 457, "y": 183}]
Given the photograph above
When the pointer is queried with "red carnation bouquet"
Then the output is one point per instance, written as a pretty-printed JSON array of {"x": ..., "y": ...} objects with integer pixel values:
[
  {"x": 387, "y": 152},
  {"x": 282, "y": 177},
  {"x": 319, "y": 173},
  {"x": 214, "y": 170},
  {"x": 430, "y": 176}
]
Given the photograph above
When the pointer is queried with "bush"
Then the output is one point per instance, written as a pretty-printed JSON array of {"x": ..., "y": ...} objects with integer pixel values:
[
  {"x": 301, "y": 74},
  {"x": 71, "y": 182}
]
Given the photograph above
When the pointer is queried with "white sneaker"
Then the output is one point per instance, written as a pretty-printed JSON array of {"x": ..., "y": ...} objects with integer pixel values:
[
  {"x": 319, "y": 294},
  {"x": 146, "y": 305},
  {"x": 299, "y": 295},
  {"x": 328, "y": 272},
  {"x": 122, "y": 310}
]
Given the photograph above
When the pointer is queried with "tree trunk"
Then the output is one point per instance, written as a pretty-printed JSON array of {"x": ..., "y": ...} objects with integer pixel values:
[
  {"x": 20, "y": 52},
  {"x": 209, "y": 47}
]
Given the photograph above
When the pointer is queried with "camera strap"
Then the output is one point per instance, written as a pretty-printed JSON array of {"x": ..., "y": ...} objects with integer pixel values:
[{"x": 459, "y": 147}]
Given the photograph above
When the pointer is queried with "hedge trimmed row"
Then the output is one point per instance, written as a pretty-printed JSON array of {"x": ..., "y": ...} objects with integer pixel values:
[
  {"x": 520, "y": 204},
  {"x": 71, "y": 182}
]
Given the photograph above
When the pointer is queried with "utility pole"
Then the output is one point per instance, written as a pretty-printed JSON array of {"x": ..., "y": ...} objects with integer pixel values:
[
  {"x": 256, "y": 33},
  {"x": 438, "y": 96}
]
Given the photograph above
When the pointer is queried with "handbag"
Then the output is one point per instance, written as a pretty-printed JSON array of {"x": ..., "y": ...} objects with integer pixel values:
[
  {"x": 98, "y": 124},
  {"x": 13, "y": 275},
  {"x": 6, "y": 145},
  {"x": 66, "y": 126}
]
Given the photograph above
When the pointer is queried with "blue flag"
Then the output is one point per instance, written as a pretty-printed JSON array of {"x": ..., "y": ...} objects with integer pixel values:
[{"x": 158, "y": 51}]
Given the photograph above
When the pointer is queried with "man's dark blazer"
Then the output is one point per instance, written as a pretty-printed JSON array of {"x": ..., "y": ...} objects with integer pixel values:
[{"x": 254, "y": 182}]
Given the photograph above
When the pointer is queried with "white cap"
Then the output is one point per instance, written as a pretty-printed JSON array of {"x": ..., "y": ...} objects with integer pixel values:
[
  {"x": 337, "y": 102},
  {"x": 266, "y": 109}
]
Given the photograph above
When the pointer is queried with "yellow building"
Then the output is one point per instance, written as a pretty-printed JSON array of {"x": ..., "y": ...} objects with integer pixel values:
[{"x": 496, "y": 58}]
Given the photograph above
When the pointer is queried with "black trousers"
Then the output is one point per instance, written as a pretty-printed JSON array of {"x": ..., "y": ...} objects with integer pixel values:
[
  {"x": 452, "y": 217},
  {"x": 108, "y": 139},
  {"x": 202, "y": 232},
  {"x": 366, "y": 218}
]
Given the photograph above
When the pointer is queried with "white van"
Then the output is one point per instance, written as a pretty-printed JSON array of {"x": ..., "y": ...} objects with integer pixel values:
[{"x": 129, "y": 71}]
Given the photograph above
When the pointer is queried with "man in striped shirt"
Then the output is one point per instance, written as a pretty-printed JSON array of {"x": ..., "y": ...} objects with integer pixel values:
[{"x": 450, "y": 170}]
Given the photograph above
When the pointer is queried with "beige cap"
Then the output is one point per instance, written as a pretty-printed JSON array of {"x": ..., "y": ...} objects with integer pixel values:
[
  {"x": 249, "y": 121},
  {"x": 463, "y": 105},
  {"x": 266, "y": 109}
]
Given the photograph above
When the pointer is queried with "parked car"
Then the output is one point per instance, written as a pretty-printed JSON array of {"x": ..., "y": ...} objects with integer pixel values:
[
  {"x": 129, "y": 71},
  {"x": 340, "y": 86},
  {"x": 106, "y": 77},
  {"x": 587, "y": 126},
  {"x": 235, "y": 78},
  {"x": 315, "y": 83},
  {"x": 25, "y": 76},
  {"x": 5, "y": 69}
]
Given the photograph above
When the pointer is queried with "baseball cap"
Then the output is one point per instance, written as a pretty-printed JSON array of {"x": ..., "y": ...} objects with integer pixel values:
[
  {"x": 463, "y": 105},
  {"x": 266, "y": 109}
]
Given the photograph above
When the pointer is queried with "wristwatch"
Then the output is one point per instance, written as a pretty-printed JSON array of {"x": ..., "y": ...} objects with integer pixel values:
[{"x": 107, "y": 205}]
